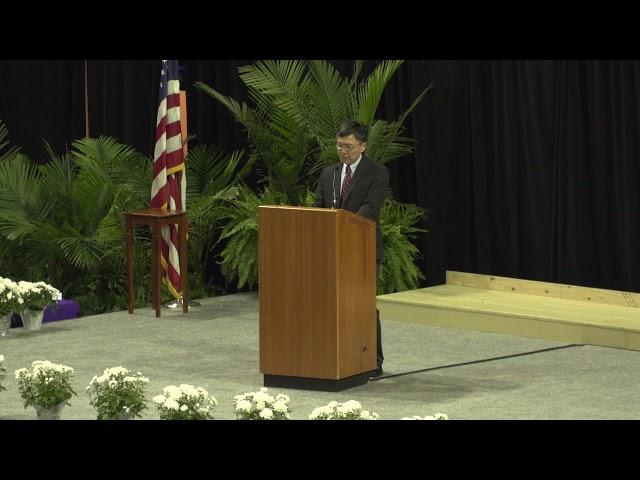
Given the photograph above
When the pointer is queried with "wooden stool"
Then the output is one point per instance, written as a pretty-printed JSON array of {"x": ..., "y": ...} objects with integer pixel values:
[{"x": 156, "y": 218}]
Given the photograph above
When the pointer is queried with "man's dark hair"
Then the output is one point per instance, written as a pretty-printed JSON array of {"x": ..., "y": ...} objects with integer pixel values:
[{"x": 355, "y": 128}]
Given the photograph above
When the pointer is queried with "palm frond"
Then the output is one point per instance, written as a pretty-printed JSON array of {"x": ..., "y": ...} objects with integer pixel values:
[
  {"x": 121, "y": 164},
  {"x": 369, "y": 93},
  {"x": 12, "y": 150},
  {"x": 386, "y": 142},
  {"x": 239, "y": 111},
  {"x": 103, "y": 149},
  {"x": 284, "y": 82},
  {"x": 210, "y": 169},
  {"x": 330, "y": 93},
  {"x": 82, "y": 252}
]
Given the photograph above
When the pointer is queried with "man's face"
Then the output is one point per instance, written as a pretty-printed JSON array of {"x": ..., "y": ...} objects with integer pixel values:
[{"x": 349, "y": 149}]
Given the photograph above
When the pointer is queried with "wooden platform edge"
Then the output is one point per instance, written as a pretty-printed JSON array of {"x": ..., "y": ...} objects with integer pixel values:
[
  {"x": 544, "y": 289},
  {"x": 510, "y": 325}
]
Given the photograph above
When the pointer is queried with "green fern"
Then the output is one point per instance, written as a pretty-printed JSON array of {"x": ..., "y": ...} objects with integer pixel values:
[
  {"x": 398, "y": 271},
  {"x": 240, "y": 255}
]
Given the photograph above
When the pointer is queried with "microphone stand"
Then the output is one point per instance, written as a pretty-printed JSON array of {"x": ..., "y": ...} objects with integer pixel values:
[{"x": 335, "y": 201}]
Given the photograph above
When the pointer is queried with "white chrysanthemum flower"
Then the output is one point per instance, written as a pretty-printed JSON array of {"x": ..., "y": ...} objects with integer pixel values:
[
  {"x": 267, "y": 414},
  {"x": 342, "y": 411},
  {"x": 314, "y": 413},
  {"x": 114, "y": 371},
  {"x": 172, "y": 392},
  {"x": 280, "y": 406},
  {"x": 366, "y": 415},
  {"x": 352, "y": 405},
  {"x": 243, "y": 406},
  {"x": 264, "y": 397},
  {"x": 189, "y": 390},
  {"x": 171, "y": 404},
  {"x": 159, "y": 399},
  {"x": 426, "y": 417}
]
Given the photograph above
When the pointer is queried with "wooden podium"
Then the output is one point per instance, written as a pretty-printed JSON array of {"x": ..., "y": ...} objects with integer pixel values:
[{"x": 317, "y": 270}]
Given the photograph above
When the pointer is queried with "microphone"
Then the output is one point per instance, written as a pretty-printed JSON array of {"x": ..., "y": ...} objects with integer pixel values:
[{"x": 334, "y": 187}]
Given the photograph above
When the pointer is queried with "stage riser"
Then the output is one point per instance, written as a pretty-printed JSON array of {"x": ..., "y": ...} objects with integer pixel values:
[
  {"x": 527, "y": 308},
  {"x": 510, "y": 325}
]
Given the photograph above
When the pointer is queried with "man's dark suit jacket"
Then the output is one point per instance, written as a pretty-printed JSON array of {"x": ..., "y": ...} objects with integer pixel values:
[{"x": 366, "y": 193}]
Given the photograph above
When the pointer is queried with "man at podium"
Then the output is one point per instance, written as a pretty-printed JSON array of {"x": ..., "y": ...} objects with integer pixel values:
[{"x": 359, "y": 185}]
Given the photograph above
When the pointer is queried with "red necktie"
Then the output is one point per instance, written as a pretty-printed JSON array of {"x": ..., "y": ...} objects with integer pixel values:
[{"x": 345, "y": 184}]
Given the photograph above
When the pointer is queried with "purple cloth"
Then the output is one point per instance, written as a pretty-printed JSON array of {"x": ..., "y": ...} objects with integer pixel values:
[{"x": 66, "y": 309}]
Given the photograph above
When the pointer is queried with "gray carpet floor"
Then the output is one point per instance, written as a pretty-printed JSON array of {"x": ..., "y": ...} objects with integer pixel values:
[{"x": 467, "y": 375}]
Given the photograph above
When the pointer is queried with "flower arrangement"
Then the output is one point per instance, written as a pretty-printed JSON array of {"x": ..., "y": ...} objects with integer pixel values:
[
  {"x": 3, "y": 372},
  {"x": 10, "y": 297},
  {"x": 117, "y": 393},
  {"x": 261, "y": 405},
  {"x": 436, "y": 416},
  {"x": 38, "y": 295},
  {"x": 351, "y": 410},
  {"x": 46, "y": 385},
  {"x": 185, "y": 402}
]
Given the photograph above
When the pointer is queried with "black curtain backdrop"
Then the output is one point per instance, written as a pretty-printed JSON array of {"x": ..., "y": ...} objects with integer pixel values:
[
  {"x": 42, "y": 100},
  {"x": 528, "y": 169}
]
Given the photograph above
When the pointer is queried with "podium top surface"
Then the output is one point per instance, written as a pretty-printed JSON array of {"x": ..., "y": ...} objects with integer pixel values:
[
  {"x": 326, "y": 211},
  {"x": 293, "y": 207}
]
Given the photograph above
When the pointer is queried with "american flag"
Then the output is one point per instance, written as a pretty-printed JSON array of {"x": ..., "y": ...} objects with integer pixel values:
[{"x": 169, "y": 183}]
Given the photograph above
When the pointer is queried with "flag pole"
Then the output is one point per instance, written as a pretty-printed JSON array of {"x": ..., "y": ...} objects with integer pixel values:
[{"x": 86, "y": 101}]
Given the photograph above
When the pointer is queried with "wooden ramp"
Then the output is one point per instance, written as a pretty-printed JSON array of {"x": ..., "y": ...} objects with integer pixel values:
[{"x": 527, "y": 308}]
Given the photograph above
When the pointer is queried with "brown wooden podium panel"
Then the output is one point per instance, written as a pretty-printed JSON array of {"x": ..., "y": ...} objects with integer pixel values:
[{"x": 317, "y": 293}]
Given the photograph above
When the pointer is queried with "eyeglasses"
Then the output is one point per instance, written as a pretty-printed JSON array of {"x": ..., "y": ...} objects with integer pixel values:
[{"x": 346, "y": 147}]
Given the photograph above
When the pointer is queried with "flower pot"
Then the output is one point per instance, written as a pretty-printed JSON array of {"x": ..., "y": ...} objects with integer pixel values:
[
  {"x": 51, "y": 413},
  {"x": 5, "y": 324},
  {"x": 123, "y": 416},
  {"x": 32, "y": 319}
]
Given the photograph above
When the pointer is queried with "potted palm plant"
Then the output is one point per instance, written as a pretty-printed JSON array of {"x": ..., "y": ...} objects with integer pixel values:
[{"x": 291, "y": 128}]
